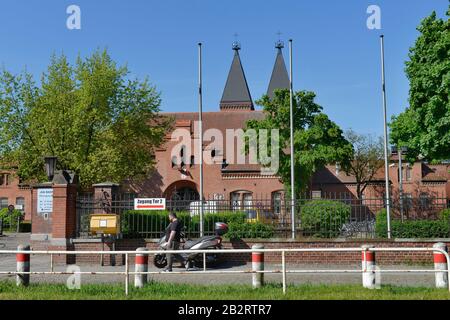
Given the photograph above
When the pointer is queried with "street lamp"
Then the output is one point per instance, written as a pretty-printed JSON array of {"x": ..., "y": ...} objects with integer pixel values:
[{"x": 50, "y": 167}]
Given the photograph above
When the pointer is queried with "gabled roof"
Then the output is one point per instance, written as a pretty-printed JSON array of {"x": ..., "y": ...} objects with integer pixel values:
[
  {"x": 280, "y": 78},
  {"x": 236, "y": 95}
]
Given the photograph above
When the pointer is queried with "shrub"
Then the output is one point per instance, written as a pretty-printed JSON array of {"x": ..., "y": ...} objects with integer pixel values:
[
  {"x": 10, "y": 219},
  {"x": 244, "y": 230},
  {"x": 136, "y": 223},
  {"x": 324, "y": 218},
  {"x": 420, "y": 229},
  {"x": 153, "y": 223}
]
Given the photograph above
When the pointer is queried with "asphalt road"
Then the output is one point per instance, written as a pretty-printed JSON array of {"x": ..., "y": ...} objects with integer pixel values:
[{"x": 42, "y": 263}]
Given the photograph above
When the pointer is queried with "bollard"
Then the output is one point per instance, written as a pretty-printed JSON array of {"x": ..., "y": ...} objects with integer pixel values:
[
  {"x": 440, "y": 263},
  {"x": 141, "y": 265},
  {"x": 368, "y": 268},
  {"x": 23, "y": 265},
  {"x": 257, "y": 265}
]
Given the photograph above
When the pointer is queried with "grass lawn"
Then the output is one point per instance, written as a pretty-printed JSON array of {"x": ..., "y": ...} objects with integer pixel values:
[{"x": 165, "y": 291}]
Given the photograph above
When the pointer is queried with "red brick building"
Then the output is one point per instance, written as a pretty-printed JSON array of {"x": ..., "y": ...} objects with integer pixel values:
[
  {"x": 12, "y": 192},
  {"x": 426, "y": 187},
  {"x": 225, "y": 178},
  {"x": 177, "y": 174}
]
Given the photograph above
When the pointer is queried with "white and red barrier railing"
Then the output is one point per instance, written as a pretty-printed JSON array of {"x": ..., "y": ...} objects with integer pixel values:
[{"x": 369, "y": 269}]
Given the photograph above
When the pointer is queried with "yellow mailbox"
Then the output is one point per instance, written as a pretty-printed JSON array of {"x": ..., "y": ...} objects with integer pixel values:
[{"x": 105, "y": 224}]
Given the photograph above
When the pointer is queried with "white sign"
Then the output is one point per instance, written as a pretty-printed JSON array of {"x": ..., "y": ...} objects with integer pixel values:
[
  {"x": 150, "y": 204},
  {"x": 45, "y": 201}
]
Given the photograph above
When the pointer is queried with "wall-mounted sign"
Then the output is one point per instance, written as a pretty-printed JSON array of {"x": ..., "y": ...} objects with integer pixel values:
[
  {"x": 44, "y": 201},
  {"x": 150, "y": 204}
]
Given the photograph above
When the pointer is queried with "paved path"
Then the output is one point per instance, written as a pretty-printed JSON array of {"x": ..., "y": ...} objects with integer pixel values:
[{"x": 42, "y": 263}]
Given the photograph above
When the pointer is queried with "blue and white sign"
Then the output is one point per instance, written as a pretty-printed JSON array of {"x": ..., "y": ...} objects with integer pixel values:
[{"x": 45, "y": 201}]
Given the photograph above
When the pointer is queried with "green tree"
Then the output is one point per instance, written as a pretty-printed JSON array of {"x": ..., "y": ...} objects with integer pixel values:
[
  {"x": 317, "y": 140},
  {"x": 425, "y": 126},
  {"x": 92, "y": 115},
  {"x": 368, "y": 159}
]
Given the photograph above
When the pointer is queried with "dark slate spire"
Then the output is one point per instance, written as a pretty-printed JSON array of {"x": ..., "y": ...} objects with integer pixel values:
[
  {"x": 236, "y": 95},
  {"x": 280, "y": 78}
]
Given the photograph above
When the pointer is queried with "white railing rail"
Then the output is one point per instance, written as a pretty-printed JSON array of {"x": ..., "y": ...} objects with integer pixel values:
[{"x": 283, "y": 270}]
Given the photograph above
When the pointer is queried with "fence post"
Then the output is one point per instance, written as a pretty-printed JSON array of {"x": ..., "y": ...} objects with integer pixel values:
[
  {"x": 257, "y": 265},
  {"x": 368, "y": 267},
  {"x": 440, "y": 263},
  {"x": 23, "y": 265},
  {"x": 141, "y": 265}
]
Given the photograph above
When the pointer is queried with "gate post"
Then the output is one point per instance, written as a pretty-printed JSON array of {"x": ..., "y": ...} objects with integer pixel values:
[
  {"x": 258, "y": 265},
  {"x": 440, "y": 263},
  {"x": 141, "y": 265},
  {"x": 368, "y": 267},
  {"x": 23, "y": 265}
]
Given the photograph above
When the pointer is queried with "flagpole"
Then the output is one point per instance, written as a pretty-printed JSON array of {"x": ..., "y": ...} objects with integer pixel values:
[
  {"x": 292, "y": 142},
  {"x": 386, "y": 155},
  {"x": 200, "y": 124}
]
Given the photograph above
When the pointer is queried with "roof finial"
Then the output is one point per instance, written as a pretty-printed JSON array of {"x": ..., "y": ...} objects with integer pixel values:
[
  {"x": 236, "y": 45},
  {"x": 279, "y": 44}
]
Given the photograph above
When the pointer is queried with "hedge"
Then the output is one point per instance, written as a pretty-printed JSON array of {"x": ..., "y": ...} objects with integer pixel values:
[
  {"x": 420, "y": 229},
  {"x": 135, "y": 223},
  {"x": 10, "y": 220},
  {"x": 324, "y": 218},
  {"x": 249, "y": 231}
]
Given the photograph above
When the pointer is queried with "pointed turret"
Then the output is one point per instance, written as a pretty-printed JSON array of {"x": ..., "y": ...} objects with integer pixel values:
[
  {"x": 236, "y": 95},
  {"x": 280, "y": 78}
]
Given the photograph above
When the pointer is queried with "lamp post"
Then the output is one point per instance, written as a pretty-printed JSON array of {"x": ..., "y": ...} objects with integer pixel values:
[
  {"x": 50, "y": 167},
  {"x": 386, "y": 155}
]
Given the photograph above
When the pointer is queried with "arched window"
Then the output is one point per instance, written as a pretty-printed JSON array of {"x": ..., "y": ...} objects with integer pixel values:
[{"x": 241, "y": 200}]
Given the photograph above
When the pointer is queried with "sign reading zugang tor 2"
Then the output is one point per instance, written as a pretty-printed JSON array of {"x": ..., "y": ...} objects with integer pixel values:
[{"x": 150, "y": 204}]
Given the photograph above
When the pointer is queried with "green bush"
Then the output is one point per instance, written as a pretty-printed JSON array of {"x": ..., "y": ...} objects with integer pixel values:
[
  {"x": 153, "y": 223},
  {"x": 134, "y": 223},
  {"x": 10, "y": 220},
  {"x": 420, "y": 229},
  {"x": 244, "y": 230},
  {"x": 324, "y": 218}
]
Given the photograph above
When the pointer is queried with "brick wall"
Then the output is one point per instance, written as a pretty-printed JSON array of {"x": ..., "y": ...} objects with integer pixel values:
[{"x": 344, "y": 258}]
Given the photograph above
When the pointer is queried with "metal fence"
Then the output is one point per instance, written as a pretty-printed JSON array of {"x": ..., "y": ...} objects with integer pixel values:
[{"x": 330, "y": 216}]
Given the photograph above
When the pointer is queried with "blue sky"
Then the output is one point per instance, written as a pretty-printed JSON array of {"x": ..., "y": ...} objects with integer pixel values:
[{"x": 335, "y": 55}]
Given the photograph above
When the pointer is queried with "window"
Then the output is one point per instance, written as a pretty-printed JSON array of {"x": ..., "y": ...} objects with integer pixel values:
[
  {"x": 241, "y": 200},
  {"x": 407, "y": 200},
  {"x": 407, "y": 174},
  {"x": 316, "y": 195},
  {"x": 236, "y": 201},
  {"x": 425, "y": 200},
  {"x": 182, "y": 151},
  {"x": 363, "y": 199},
  {"x": 174, "y": 161},
  {"x": 2, "y": 179},
  {"x": 3, "y": 203},
  {"x": 7, "y": 179},
  {"x": 276, "y": 203},
  {"x": 248, "y": 201},
  {"x": 192, "y": 161},
  {"x": 20, "y": 201}
]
